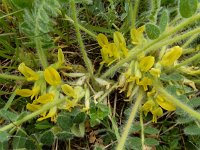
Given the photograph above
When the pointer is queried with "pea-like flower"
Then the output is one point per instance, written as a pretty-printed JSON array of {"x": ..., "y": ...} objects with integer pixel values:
[
  {"x": 52, "y": 76},
  {"x": 171, "y": 56},
  {"x": 28, "y": 72},
  {"x": 165, "y": 104},
  {"x": 137, "y": 35},
  {"x": 146, "y": 63},
  {"x": 157, "y": 112}
]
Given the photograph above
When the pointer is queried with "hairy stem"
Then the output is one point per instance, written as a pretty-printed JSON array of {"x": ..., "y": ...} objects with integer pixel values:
[
  {"x": 87, "y": 61},
  {"x": 177, "y": 102},
  {"x": 11, "y": 77},
  {"x": 125, "y": 133}
]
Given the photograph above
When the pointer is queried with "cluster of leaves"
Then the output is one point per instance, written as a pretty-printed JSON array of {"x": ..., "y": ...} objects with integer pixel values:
[{"x": 101, "y": 125}]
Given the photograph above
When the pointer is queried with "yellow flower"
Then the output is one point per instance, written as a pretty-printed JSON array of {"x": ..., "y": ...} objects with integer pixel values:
[
  {"x": 28, "y": 72},
  {"x": 52, "y": 76},
  {"x": 119, "y": 39},
  {"x": 52, "y": 114},
  {"x": 155, "y": 72},
  {"x": 102, "y": 40},
  {"x": 24, "y": 92},
  {"x": 144, "y": 82},
  {"x": 167, "y": 105},
  {"x": 148, "y": 106},
  {"x": 68, "y": 90},
  {"x": 43, "y": 99},
  {"x": 157, "y": 112},
  {"x": 171, "y": 56},
  {"x": 70, "y": 104},
  {"x": 33, "y": 107},
  {"x": 146, "y": 63},
  {"x": 61, "y": 58},
  {"x": 137, "y": 35}
]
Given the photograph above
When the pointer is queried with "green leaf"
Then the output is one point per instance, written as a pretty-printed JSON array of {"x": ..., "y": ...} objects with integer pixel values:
[
  {"x": 188, "y": 7},
  {"x": 22, "y": 3},
  {"x": 43, "y": 125},
  {"x": 47, "y": 138},
  {"x": 78, "y": 130},
  {"x": 163, "y": 20},
  {"x": 192, "y": 130},
  {"x": 152, "y": 31},
  {"x": 65, "y": 122},
  {"x": 172, "y": 77},
  {"x": 3, "y": 145},
  {"x": 3, "y": 136},
  {"x": 133, "y": 143},
  {"x": 151, "y": 142},
  {"x": 30, "y": 144},
  {"x": 64, "y": 135},
  {"x": 185, "y": 119},
  {"x": 8, "y": 115},
  {"x": 19, "y": 139},
  {"x": 150, "y": 130},
  {"x": 195, "y": 102},
  {"x": 79, "y": 118}
]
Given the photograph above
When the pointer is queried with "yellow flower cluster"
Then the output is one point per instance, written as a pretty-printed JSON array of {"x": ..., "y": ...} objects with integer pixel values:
[
  {"x": 111, "y": 52},
  {"x": 43, "y": 94},
  {"x": 141, "y": 72}
]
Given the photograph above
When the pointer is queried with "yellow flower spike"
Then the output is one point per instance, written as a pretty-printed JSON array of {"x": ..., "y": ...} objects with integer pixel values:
[
  {"x": 119, "y": 39},
  {"x": 43, "y": 99},
  {"x": 155, "y": 72},
  {"x": 68, "y": 90},
  {"x": 158, "y": 112},
  {"x": 28, "y": 72},
  {"x": 61, "y": 58},
  {"x": 146, "y": 63},
  {"x": 148, "y": 106},
  {"x": 52, "y": 113},
  {"x": 171, "y": 56},
  {"x": 137, "y": 35},
  {"x": 52, "y": 76},
  {"x": 145, "y": 82},
  {"x": 24, "y": 92},
  {"x": 167, "y": 105},
  {"x": 102, "y": 40}
]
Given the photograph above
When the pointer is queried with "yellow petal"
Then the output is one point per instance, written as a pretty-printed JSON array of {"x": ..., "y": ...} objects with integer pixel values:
[
  {"x": 28, "y": 72},
  {"x": 24, "y": 92},
  {"x": 155, "y": 72},
  {"x": 32, "y": 107},
  {"x": 148, "y": 106},
  {"x": 43, "y": 99},
  {"x": 51, "y": 114},
  {"x": 102, "y": 40},
  {"x": 137, "y": 35},
  {"x": 52, "y": 76},
  {"x": 158, "y": 112},
  {"x": 167, "y": 105},
  {"x": 146, "y": 63},
  {"x": 119, "y": 39},
  {"x": 68, "y": 90},
  {"x": 171, "y": 56},
  {"x": 144, "y": 82},
  {"x": 35, "y": 91}
]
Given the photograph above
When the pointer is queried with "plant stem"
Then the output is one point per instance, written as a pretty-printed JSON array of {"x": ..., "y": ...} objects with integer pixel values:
[
  {"x": 32, "y": 115},
  {"x": 81, "y": 27},
  {"x": 11, "y": 77},
  {"x": 189, "y": 60},
  {"x": 142, "y": 130},
  {"x": 87, "y": 61},
  {"x": 133, "y": 12},
  {"x": 177, "y": 102},
  {"x": 189, "y": 41},
  {"x": 125, "y": 133},
  {"x": 148, "y": 48},
  {"x": 41, "y": 52}
]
